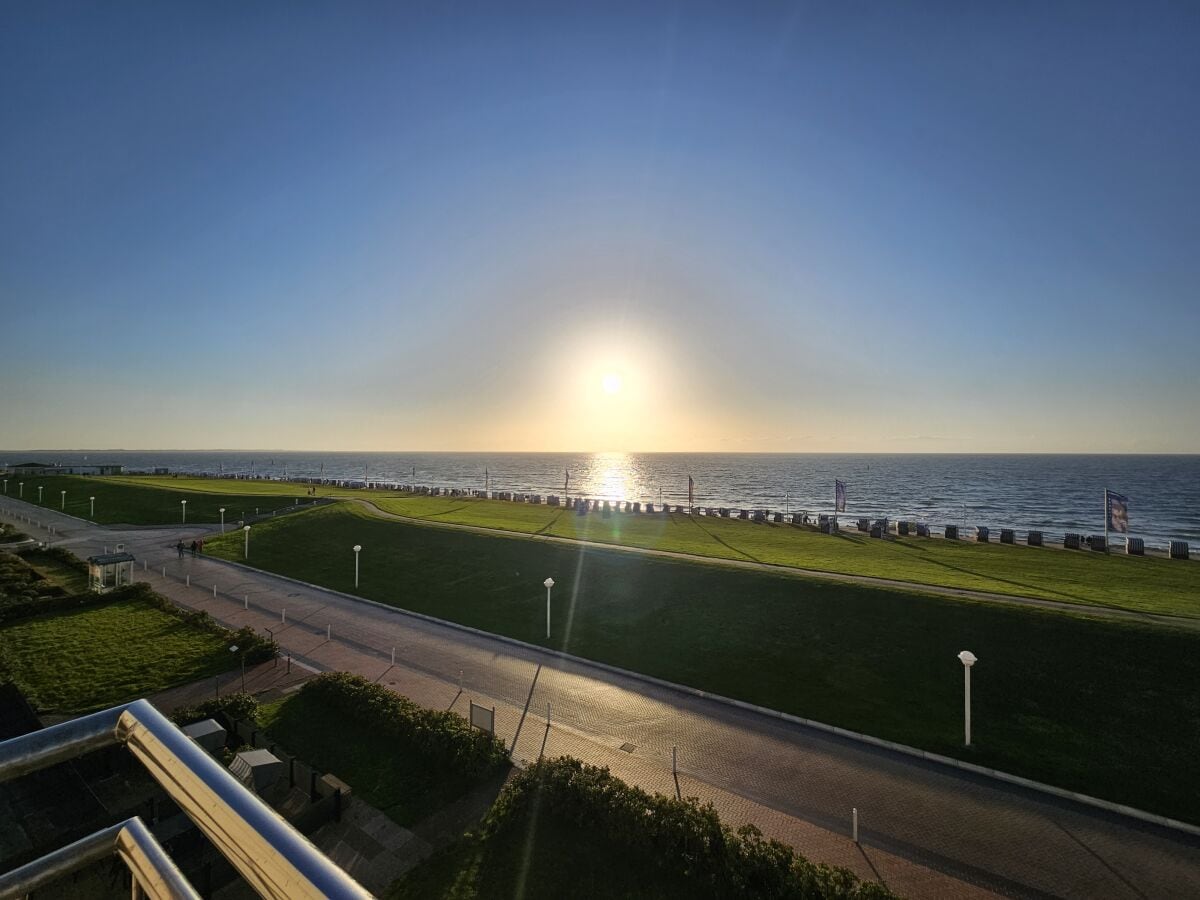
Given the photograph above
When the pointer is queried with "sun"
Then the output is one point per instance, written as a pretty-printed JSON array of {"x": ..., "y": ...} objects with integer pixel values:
[{"x": 611, "y": 383}]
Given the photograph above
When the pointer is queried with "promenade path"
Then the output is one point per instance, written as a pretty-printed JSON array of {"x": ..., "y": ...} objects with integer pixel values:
[{"x": 926, "y": 830}]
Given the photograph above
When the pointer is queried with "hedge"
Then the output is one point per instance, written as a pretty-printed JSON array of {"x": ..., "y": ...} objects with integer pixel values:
[
  {"x": 684, "y": 838},
  {"x": 231, "y": 708},
  {"x": 440, "y": 735}
]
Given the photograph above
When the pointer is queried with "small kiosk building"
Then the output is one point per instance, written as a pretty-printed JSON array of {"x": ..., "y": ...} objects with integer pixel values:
[{"x": 108, "y": 571}]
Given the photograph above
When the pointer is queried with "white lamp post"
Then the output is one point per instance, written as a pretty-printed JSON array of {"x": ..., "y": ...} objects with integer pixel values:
[
  {"x": 183, "y": 506},
  {"x": 222, "y": 520},
  {"x": 63, "y": 501},
  {"x": 357, "y": 548},
  {"x": 39, "y": 493},
  {"x": 92, "y": 500},
  {"x": 246, "y": 552},
  {"x": 968, "y": 659},
  {"x": 549, "y": 583},
  {"x": 21, "y": 489}
]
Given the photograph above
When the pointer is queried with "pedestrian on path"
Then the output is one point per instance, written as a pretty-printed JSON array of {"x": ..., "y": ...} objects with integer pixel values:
[
  {"x": 201, "y": 547},
  {"x": 193, "y": 549},
  {"x": 179, "y": 547}
]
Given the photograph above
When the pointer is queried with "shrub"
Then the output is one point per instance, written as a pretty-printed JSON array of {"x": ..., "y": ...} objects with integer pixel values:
[
  {"x": 230, "y": 708},
  {"x": 442, "y": 736},
  {"x": 685, "y": 838}
]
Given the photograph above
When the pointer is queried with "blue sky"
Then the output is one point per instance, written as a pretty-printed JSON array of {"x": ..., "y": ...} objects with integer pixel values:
[{"x": 784, "y": 226}]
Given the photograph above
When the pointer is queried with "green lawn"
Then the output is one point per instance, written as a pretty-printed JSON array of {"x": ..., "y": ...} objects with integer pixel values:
[
  {"x": 95, "y": 656},
  {"x": 129, "y": 501},
  {"x": 1102, "y": 707},
  {"x": 404, "y": 786},
  {"x": 72, "y": 579},
  {"x": 1149, "y": 584}
]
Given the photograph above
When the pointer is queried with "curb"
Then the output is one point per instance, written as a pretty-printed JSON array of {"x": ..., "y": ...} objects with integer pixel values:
[{"x": 936, "y": 758}]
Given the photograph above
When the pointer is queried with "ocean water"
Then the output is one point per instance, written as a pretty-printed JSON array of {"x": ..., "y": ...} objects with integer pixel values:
[{"x": 1054, "y": 493}]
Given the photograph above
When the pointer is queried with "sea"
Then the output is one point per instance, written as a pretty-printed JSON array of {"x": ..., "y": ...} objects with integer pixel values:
[{"x": 1049, "y": 492}]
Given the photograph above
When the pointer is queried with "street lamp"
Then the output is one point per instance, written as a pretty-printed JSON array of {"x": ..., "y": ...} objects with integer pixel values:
[
  {"x": 222, "y": 520},
  {"x": 183, "y": 506},
  {"x": 21, "y": 489},
  {"x": 39, "y": 493},
  {"x": 92, "y": 514},
  {"x": 357, "y": 548},
  {"x": 233, "y": 648},
  {"x": 246, "y": 552},
  {"x": 63, "y": 502},
  {"x": 549, "y": 583},
  {"x": 968, "y": 659}
]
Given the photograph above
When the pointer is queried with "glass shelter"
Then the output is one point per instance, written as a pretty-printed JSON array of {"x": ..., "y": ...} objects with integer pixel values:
[{"x": 111, "y": 570}]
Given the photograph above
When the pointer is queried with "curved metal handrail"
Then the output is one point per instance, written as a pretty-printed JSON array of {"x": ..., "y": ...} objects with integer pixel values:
[{"x": 275, "y": 859}]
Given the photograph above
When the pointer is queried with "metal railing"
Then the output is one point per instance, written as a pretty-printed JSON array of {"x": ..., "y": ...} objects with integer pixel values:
[{"x": 273, "y": 858}]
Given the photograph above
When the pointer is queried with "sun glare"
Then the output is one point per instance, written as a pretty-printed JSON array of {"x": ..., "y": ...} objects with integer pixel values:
[{"x": 611, "y": 383}]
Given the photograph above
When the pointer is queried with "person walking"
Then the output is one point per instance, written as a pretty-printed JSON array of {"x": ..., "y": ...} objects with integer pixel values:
[
  {"x": 179, "y": 547},
  {"x": 201, "y": 547},
  {"x": 193, "y": 549}
]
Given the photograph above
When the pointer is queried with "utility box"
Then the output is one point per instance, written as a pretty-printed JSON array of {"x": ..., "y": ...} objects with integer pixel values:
[
  {"x": 208, "y": 734},
  {"x": 256, "y": 769}
]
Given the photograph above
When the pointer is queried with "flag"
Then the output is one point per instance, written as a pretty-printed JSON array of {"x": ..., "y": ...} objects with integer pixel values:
[
  {"x": 486, "y": 479},
  {"x": 567, "y": 482},
  {"x": 1116, "y": 510},
  {"x": 691, "y": 488},
  {"x": 839, "y": 495}
]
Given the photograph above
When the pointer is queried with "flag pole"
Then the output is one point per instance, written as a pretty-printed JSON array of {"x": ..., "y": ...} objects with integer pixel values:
[{"x": 1106, "y": 520}]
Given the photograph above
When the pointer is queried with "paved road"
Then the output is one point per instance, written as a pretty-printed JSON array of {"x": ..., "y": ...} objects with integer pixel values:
[{"x": 926, "y": 830}]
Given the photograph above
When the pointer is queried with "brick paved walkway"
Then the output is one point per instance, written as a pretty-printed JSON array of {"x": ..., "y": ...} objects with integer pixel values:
[{"x": 927, "y": 831}]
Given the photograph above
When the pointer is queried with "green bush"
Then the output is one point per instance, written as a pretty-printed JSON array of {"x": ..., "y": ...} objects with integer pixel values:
[
  {"x": 684, "y": 838},
  {"x": 59, "y": 554},
  {"x": 230, "y": 708},
  {"x": 438, "y": 734}
]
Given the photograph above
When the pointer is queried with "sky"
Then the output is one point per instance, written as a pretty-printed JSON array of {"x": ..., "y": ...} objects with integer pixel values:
[{"x": 567, "y": 226}]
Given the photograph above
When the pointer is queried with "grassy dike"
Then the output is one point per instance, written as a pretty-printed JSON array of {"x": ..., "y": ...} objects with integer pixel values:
[
  {"x": 1105, "y": 708},
  {"x": 126, "y": 501},
  {"x": 1146, "y": 584}
]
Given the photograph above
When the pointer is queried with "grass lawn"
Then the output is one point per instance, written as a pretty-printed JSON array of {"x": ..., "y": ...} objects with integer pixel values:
[
  {"x": 128, "y": 501},
  {"x": 70, "y": 578},
  {"x": 404, "y": 786},
  {"x": 1102, "y": 707},
  {"x": 95, "y": 656},
  {"x": 1149, "y": 584}
]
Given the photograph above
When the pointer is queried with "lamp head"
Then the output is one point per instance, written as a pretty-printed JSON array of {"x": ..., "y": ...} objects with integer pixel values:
[
  {"x": 549, "y": 583},
  {"x": 247, "y": 528},
  {"x": 967, "y": 658},
  {"x": 357, "y": 547}
]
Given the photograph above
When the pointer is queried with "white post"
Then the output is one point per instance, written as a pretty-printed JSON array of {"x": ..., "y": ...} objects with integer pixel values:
[
  {"x": 357, "y": 548},
  {"x": 968, "y": 659},
  {"x": 854, "y": 823},
  {"x": 246, "y": 550},
  {"x": 393, "y": 656},
  {"x": 214, "y": 592},
  {"x": 245, "y": 601},
  {"x": 222, "y": 520},
  {"x": 92, "y": 501},
  {"x": 547, "y": 713},
  {"x": 189, "y": 580},
  {"x": 164, "y": 571},
  {"x": 328, "y": 632},
  {"x": 1106, "y": 520},
  {"x": 549, "y": 583},
  {"x": 183, "y": 507},
  {"x": 283, "y": 617},
  {"x": 63, "y": 505},
  {"x": 674, "y": 760}
]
